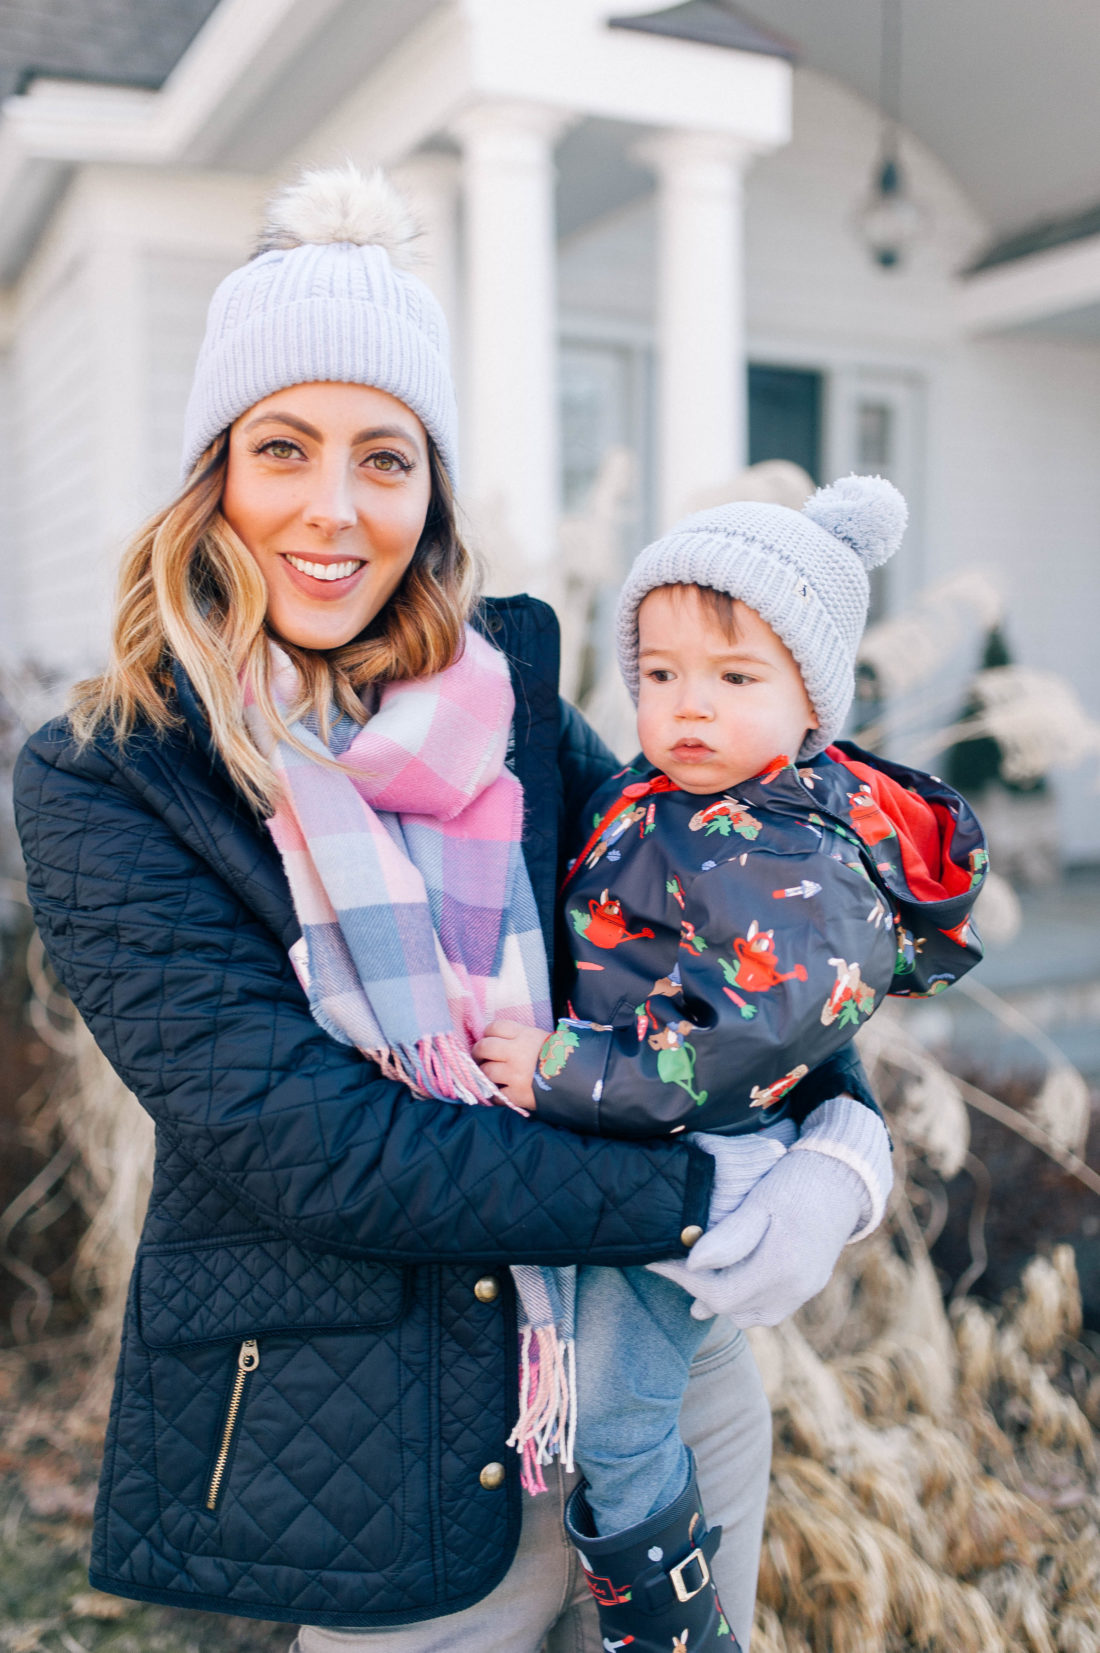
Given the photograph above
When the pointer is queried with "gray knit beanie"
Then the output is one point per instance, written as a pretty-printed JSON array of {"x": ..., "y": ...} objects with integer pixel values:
[
  {"x": 325, "y": 298},
  {"x": 804, "y": 572}
]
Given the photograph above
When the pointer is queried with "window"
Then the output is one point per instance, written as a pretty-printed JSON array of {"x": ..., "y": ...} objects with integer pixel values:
[{"x": 785, "y": 416}]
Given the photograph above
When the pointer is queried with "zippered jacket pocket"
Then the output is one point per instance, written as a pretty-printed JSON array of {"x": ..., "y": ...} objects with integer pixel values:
[
  {"x": 248, "y": 1359},
  {"x": 268, "y": 1369}
]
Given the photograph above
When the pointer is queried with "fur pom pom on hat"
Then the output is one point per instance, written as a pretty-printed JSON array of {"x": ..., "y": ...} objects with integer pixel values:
[
  {"x": 327, "y": 296},
  {"x": 804, "y": 572},
  {"x": 340, "y": 204}
]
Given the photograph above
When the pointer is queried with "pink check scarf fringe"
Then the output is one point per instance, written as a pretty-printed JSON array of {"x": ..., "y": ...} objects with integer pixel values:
[{"x": 419, "y": 927}]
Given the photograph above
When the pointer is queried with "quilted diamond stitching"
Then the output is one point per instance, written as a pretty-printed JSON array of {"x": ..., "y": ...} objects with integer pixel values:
[
  {"x": 266, "y": 1284},
  {"x": 164, "y": 910}
]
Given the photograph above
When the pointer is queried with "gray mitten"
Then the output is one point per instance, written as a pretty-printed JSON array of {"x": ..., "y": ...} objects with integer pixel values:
[{"x": 781, "y": 1244}]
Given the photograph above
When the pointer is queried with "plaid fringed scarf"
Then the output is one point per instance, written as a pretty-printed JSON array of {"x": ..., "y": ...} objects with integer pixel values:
[{"x": 419, "y": 926}]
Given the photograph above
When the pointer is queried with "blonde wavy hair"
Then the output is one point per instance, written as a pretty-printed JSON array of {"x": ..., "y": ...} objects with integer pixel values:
[{"x": 189, "y": 591}]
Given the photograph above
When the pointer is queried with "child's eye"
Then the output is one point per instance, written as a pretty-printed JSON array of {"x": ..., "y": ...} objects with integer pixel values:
[
  {"x": 735, "y": 677},
  {"x": 659, "y": 674}
]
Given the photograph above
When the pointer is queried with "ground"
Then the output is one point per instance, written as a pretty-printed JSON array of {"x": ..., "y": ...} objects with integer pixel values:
[{"x": 49, "y": 1461}]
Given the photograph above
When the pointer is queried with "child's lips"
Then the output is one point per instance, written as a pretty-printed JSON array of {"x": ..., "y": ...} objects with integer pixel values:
[{"x": 692, "y": 751}]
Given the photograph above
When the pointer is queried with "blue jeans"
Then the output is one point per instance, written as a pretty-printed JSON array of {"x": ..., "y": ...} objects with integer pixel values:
[{"x": 636, "y": 1340}]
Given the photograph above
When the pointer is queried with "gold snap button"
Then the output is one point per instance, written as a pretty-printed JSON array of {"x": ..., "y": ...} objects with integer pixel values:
[
  {"x": 492, "y": 1476},
  {"x": 487, "y": 1289},
  {"x": 690, "y": 1234}
]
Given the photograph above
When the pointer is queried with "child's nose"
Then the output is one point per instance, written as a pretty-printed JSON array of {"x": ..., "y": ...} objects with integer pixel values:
[{"x": 694, "y": 702}]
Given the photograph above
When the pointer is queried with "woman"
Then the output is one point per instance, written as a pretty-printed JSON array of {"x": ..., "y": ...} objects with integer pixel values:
[{"x": 318, "y": 1369}]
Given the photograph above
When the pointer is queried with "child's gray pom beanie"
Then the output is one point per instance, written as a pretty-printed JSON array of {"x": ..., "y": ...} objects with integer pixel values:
[
  {"x": 804, "y": 572},
  {"x": 325, "y": 298}
]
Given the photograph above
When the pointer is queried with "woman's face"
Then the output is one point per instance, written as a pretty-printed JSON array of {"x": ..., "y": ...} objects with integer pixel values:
[{"x": 328, "y": 486}]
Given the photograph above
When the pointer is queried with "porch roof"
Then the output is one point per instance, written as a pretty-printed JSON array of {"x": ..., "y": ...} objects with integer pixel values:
[
  {"x": 1040, "y": 238},
  {"x": 711, "y": 23},
  {"x": 1004, "y": 92},
  {"x": 116, "y": 42}
]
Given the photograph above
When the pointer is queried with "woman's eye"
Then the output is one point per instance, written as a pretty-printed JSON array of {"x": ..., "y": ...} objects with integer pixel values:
[
  {"x": 279, "y": 447},
  {"x": 388, "y": 463}
]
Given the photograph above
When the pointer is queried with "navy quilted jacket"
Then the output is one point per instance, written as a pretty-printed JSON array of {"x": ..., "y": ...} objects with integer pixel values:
[{"x": 319, "y": 1356}]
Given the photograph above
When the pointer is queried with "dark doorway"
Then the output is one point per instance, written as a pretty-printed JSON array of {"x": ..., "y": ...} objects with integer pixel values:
[{"x": 785, "y": 416}]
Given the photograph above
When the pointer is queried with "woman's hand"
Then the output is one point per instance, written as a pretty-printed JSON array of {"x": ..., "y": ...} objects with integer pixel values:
[{"x": 507, "y": 1053}]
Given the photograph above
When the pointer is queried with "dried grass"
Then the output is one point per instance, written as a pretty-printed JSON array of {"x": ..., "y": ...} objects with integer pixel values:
[
  {"x": 935, "y": 1480},
  {"x": 934, "y": 1484},
  {"x": 104, "y": 1156}
]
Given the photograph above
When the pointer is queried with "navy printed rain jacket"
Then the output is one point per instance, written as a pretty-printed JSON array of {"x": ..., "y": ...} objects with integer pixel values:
[
  {"x": 725, "y": 945},
  {"x": 319, "y": 1358}
]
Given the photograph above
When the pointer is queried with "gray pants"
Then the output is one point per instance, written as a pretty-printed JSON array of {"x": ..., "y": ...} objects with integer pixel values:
[{"x": 542, "y": 1604}]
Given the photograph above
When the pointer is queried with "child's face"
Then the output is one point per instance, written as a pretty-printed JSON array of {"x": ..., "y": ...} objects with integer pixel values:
[{"x": 714, "y": 709}]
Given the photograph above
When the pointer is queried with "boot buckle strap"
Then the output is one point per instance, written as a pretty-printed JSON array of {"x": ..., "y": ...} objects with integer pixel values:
[{"x": 684, "y": 1590}]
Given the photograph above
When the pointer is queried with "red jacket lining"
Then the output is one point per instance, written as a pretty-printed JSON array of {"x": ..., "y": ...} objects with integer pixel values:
[{"x": 925, "y": 831}]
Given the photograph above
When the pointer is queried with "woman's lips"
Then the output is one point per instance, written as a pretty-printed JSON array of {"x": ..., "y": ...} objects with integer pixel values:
[{"x": 326, "y": 587}]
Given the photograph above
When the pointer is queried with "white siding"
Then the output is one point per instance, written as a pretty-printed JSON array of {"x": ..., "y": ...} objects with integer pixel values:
[
  {"x": 66, "y": 550},
  {"x": 810, "y": 279},
  {"x": 1015, "y": 484},
  {"x": 56, "y": 503},
  {"x": 177, "y": 288}
]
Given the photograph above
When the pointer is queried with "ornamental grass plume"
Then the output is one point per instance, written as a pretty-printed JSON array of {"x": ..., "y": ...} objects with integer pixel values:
[
  {"x": 912, "y": 1512},
  {"x": 105, "y": 1157},
  {"x": 905, "y": 652},
  {"x": 935, "y": 1483},
  {"x": 935, "y": 1486},
  {"x": 1036, "y": 718}
]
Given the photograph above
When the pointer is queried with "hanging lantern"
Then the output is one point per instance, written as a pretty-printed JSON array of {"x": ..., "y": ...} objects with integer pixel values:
[{"x": 889, "y": 220}]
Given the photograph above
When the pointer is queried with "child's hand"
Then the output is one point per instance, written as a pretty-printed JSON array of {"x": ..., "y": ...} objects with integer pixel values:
[{"x": 507, "y": 1053}]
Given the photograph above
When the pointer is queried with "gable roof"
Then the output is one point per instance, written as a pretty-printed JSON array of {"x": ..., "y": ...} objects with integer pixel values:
[
  {"x": 1002, "y": 91},
  {"x": 1040, "y": 238},
  {"x": 712, "y": 23},
  {"x": 120, "y": 42}
]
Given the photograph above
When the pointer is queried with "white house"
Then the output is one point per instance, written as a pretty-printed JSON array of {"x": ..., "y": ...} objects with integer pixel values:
[{"x": 642, "y": 220}]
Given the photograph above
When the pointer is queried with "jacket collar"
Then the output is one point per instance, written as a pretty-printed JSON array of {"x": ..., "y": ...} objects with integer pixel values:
[{"x": 194, "y": 715}]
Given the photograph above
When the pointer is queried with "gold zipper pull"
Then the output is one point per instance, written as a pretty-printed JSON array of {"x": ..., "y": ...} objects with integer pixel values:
[{"x": 248, "y": 1358}]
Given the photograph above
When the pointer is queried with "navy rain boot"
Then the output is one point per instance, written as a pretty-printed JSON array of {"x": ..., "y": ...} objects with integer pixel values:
[{"x": 652, "y": 1583}]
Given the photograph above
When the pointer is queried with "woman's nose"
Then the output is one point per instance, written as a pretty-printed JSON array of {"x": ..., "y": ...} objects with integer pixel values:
[{"x": 330, "y": 507}]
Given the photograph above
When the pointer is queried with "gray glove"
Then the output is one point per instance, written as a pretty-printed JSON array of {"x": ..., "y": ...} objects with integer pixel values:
[{"x": 781, "y": 1244}]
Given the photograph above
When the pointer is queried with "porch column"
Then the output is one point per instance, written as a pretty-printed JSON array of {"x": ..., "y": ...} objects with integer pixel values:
[
  {"x": 430, "y": 180},
  {"x": 702, "y": 401},
  {"x": 510, "y": 417}
]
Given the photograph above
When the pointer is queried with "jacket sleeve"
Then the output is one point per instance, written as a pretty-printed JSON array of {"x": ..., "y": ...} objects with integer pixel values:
[
  {"x": 781, "y": 959},
  {"x": 193, "y": 1000}
]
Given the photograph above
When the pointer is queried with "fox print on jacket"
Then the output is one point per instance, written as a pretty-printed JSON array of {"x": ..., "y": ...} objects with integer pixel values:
[{"x": 724, "y": 946}]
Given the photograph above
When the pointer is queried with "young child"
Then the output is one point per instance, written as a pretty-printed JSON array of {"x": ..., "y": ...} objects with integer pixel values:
[{"x": 734, "y": 918}]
